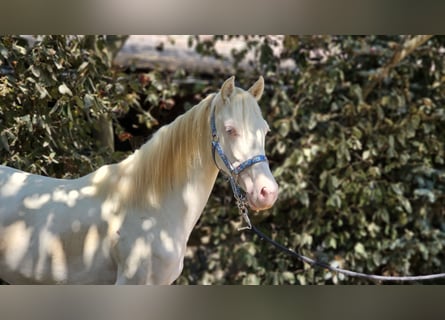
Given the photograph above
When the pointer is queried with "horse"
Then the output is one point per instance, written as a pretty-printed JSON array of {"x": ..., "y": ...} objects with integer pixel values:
[{"x": 129, "y": 222}]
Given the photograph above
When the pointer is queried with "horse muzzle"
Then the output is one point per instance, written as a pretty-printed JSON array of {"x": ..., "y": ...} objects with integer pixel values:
[{"x": 261, "y": 192}]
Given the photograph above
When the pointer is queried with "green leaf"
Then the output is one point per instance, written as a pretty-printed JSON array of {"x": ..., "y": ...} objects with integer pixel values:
[
  {"x": 21, "y": 50},
  {"x": 359, "y": 249},
  {"x": 397, "y": 188},
  {"x": 333, "y": 183},
  {"x": 288, "y": 277},
  {"x": 4, "y": 143},
  {"x": 35, "y": 71},
  {"x": 251, "y": 279},
  {"x": 303, "y": 197},
  {"x": 63, "y": 89},
  {"x": 88, "y": 101},
  {"x": 334, "y": 201},
  {"x": 42, "y": 91},
  {"x": 4, "y": 52},
  {"x": 425, "y": 193},
  {"x": 83, "y": 66},
  {"x": 284, "y": 128},
  {"x": 332, "y": 242},
  {"x": 406, "y": 204}
]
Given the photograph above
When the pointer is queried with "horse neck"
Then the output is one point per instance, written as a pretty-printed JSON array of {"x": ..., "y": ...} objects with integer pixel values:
[{"x": 178, "y": 156}]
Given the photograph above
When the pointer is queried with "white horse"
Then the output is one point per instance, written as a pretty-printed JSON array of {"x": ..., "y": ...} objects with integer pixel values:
[{"x": 128, "y": 223}]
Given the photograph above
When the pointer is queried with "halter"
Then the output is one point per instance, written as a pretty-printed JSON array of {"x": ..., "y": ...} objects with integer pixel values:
[{"x": 234, "y": 172}]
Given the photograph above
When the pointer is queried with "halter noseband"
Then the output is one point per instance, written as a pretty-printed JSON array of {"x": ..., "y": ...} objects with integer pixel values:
[{"x": 234, "y": 172}]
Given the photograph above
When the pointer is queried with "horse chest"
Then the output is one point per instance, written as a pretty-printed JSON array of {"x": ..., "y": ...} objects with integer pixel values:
[{"x": 148, "y": 251}]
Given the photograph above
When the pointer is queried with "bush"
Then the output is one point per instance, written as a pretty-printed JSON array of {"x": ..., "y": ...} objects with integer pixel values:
[
  {"x": 360, "y": 167},
  {"x": 64, "y": 93}
]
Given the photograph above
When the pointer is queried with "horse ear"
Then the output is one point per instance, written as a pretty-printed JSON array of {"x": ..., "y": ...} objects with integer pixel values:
[
  {"x": 227, "y": 88},
  {"x": 257, "y": 89}
]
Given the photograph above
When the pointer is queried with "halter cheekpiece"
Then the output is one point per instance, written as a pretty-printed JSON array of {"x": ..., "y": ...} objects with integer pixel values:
[{"x": 234, "y": 172}]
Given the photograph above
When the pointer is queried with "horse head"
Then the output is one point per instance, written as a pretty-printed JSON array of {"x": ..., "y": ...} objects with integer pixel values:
[{"x": 240, "y": 131}]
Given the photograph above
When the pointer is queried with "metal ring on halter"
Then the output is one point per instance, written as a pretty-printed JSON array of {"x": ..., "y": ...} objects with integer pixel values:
[{"x": 244, "y": 213}]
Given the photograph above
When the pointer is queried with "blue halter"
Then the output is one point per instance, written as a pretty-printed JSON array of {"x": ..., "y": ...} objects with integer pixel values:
[
  {"x": 216, "y": 146},
  {"x": 233, "y": 171}
]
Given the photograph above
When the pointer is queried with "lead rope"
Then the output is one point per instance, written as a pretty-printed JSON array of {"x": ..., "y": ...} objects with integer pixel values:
[{"x": 313, "y": 262}]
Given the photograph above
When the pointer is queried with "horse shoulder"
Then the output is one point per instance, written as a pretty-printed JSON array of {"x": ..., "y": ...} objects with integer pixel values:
[{"x": 146, "y": 252}]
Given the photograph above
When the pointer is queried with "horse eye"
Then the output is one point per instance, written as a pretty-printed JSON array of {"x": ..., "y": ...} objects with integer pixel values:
[{"x": 231, "y": 131}]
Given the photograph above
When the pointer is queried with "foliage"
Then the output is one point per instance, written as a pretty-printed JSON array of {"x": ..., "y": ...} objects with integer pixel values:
[
  {"x": 362, "y": 176},
  {"x": 362, "y": 179},
  {"x": 58, "y": 91}
]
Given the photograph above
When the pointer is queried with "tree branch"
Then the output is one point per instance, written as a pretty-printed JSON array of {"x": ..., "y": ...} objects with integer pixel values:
[{"x": 400, "y": 53}]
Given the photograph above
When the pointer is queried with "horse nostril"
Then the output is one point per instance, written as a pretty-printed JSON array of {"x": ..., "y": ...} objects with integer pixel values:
[
  {"x": 265, "y": 198},
  {"x": 265, "y": 192}
]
